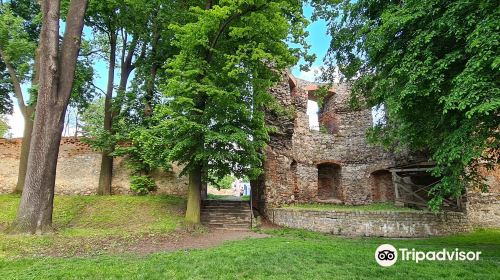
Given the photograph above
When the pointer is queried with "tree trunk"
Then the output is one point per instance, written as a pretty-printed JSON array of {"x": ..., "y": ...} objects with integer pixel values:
[
  {"x": 57, "y": 70},
  {"x": 106, "y": 173},
  {"x": 193, "y": 211},
  {"x": 27, "y": 112},
  {"x": 204, "y": 190},
  {"x": 28, "y": 115},
  {"x": 149, "y": 95},
  {"x": 194, "y": 197},
  {"x": 150, "y": 83},
  {"x": 25, "y": 149}
]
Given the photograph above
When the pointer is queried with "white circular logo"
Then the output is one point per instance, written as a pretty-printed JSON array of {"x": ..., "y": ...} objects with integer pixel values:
[{"x": 386, "y": 255}]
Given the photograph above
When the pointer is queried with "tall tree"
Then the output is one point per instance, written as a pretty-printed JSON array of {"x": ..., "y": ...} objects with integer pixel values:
[
  {"x": 57, "y": 71},
  {"x": 18, "y": 39},
  {"x": 435, "y": 66},
  {"x": 137, "y": 35},
  {"x": 123, "y": 25},
  {"x": 19, "y": 35},
  {"x": 217, "y": 87}
]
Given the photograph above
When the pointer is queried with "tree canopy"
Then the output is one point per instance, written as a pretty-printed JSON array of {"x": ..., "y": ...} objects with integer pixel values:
[
  {"x": 216, "y": 89},
  {"x": 435, "y": 67},
  {"x": 217, "y": 86}
]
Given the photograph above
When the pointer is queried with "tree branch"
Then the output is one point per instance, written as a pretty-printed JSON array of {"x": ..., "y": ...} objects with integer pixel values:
[
  {"x": 130, "y": 54},
  {"x": 70, "y": 48},
  {"x": 98, "y": 88},
  {"x": 89, "y": 53},
  {"x": 141, "y": 56},
  {"x": 228, "y": 21},
  {"x": 16, "y": 83},
  {"x": 124, "y": 46}
]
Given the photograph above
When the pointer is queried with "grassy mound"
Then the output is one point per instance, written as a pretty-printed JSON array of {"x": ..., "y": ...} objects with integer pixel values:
[{"x": 87, "y": 221}]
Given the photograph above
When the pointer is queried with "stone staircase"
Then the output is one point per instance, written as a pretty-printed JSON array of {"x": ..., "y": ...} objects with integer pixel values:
[{"x": 226, "y": 214}]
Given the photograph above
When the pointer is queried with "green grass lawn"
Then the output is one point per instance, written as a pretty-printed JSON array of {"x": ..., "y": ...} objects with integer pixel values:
[
  {"x": 289, "y": 254},
  {"x": 286, "y": 254},
  {"x": 86, "y": 222},
  {"x": 382, "y": 206}
]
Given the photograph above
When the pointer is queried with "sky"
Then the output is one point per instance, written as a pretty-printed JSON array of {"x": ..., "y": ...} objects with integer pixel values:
[{"x": 318, "y": 39}]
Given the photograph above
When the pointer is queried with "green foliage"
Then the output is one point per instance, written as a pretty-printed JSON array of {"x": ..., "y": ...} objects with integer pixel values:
[
  {"x": 225, "y": 183},
  {"x": 83, "y": 91},
  {"x": 321, "y": 94},
  {"x": 142, "y": 29},
  {"x": 4, "y": 126},
  {"x": 5, "y": 90},
  {"x": 145, "y": 151},
  {"x": 217, "y": 86},
  {"x": 142, "y": 185},
  {"x": 29, "y": 11},
  {"x": 92, "y": 119},
  {"x": 20, "y": 22},
  {"x": 15, "y": 43},
  {"x": 435, "y": 66},
  {"x": 19, "y": 30},
  {"x": 323, "y": 129}
]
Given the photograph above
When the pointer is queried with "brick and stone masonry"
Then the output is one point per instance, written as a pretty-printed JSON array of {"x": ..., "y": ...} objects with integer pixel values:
[
  {"x": 332, "y": 165},
  {"x": 372, "y": 223},
  {"x": 337, "y": 165},
  {"x": 78, "y": 170}
]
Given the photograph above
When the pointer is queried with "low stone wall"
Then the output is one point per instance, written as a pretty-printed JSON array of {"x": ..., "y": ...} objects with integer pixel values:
[
  {"x": 483, "y": 209},
  {"x": 373, "y": 223},
  {"x": 78, "y": 170}
]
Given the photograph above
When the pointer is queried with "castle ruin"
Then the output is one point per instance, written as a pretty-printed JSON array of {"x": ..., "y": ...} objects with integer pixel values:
[{"x": 333, "y": 164}]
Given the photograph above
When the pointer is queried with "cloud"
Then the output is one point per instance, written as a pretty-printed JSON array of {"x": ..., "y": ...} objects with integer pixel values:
[{"x": 311, "y": 75}]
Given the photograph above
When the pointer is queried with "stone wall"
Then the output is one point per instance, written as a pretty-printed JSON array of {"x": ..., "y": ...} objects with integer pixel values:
[
  {"x": 483, "y": 209},
  {"x": 295, "y": 152},
  {"x": 337, "y": 165},
  {"x": 382, "y": 186},
  {"x": 78, "y": 170},
  {"x": 377, "y": 223}
]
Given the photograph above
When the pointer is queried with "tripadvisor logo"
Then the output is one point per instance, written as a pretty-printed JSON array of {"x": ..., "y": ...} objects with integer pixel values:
[{"x": 387, "y": 255}]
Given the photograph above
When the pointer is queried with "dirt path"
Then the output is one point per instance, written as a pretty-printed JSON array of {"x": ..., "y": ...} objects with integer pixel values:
[{"x": 186, "y": 241}]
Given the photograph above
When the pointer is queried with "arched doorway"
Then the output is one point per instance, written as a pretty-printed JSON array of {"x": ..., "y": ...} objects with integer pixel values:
[
  {"x": 382, "y": 186},
  {"x": 329, "y": 181}
]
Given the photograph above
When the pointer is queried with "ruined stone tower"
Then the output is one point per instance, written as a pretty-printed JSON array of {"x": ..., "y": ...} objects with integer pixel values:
[{"x": 333, "y": 164}]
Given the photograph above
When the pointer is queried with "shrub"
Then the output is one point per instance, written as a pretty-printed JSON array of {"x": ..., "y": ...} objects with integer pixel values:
[{"x": 142, "y": 185}]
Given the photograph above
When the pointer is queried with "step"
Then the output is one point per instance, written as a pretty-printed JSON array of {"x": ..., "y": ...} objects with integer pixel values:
[
  {"x": 231, "y": 229},
  {"x": 227, "y": 215},
  {"x": 234, "y": 211},
  {"x": 226, "y": 206},
  {"x": 226, "y": 218},
  {"x": 223, "y": 221},
  {"x": 225, "y": 203},
  {"x": 218, "y": 225}
]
